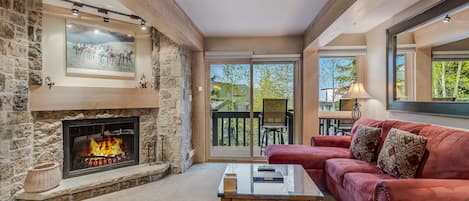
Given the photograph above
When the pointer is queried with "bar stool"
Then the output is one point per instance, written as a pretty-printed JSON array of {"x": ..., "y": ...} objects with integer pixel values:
[{"x": 274, "y": 120}]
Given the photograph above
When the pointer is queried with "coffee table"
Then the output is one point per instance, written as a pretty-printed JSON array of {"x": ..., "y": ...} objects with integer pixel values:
[{"x": 297, "y": 185}]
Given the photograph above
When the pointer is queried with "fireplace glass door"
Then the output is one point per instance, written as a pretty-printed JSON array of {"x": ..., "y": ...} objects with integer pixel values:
[{"x": 99, "y": 144}]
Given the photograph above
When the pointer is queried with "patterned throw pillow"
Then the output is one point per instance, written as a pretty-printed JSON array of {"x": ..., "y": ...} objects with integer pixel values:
[
  {"x": 401, "y": 153},
  {"x": 365, "y": 142}
]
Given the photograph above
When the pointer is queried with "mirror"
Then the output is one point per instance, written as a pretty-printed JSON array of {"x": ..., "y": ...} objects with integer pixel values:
[
  {"x": 428, "y": 61},
  {"x": 432, "y": 61}
]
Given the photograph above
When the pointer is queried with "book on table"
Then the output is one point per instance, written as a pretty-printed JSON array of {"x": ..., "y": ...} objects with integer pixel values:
[{"x": 268, "y": 176}]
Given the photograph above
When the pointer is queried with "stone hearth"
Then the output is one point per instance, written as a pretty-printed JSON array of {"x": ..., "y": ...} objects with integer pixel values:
[{"x": 92, "y": 185}]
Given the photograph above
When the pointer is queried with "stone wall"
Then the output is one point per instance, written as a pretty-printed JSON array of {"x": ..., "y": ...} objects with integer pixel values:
[
  {"x": 172, "y": 73},
  {"x": 29, "y": 138},
  {"x": 20, "y": 59}
]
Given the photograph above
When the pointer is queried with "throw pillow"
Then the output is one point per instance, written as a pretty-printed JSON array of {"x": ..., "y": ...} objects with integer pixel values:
[
  {"x": 365, "y": 142},
  {"x": 401, "y": 153}
]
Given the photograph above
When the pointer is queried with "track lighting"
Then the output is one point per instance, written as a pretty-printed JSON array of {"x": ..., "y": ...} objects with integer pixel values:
[
  {"x": 75, "y": 11},
  {"x": 76, "y": 5},
  {"x": 446, "y": 19},
  {"x": 106, "y": 18},
  {"x": 143, "y": 25}
]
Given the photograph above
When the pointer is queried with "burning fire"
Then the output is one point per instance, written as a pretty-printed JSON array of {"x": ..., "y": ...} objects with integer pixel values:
[
  {"x": 110, "y": 147},
  {"x": 106, "y": 152}
]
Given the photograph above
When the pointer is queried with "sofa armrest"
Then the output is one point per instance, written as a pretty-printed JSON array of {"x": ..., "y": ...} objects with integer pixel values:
[
  {"x": 422, "y": 190},
  {"x": 331, "y": 141}
]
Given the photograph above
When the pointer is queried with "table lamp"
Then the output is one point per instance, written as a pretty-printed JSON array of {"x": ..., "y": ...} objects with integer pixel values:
[{"x": 357, "y": 91}]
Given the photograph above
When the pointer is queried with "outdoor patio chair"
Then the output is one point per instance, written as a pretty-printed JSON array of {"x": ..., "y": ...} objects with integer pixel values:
[{"x": 274, "y": 120}]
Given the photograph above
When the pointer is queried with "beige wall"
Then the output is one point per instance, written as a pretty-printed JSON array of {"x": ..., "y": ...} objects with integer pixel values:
[
  {"x": 259, "y": 45},
  {"x": 310, "y": 93},
  {"x": 376, "y": 52},
  {"x": 349, "y": 40},
  {"x": 200, "y": 123},
  {"x": 54, "y": 58}
]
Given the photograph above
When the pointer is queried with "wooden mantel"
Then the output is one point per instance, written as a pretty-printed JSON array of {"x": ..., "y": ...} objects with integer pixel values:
[{"x": 60, "y": 98}]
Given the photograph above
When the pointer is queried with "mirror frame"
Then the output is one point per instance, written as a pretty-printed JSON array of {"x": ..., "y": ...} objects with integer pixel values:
[{"x": 460, "y": 109}]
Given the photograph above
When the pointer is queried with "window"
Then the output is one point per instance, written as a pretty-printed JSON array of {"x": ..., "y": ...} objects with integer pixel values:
[
  {"x": 401, "y": 77},
  {"x": 336, "y": 74},
  {"x": 450, "y": 80}
]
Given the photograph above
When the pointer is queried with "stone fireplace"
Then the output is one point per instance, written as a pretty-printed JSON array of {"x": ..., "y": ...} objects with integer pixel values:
[
  {"x": 31, "y": 137},
  {"x": 95, "y": 145}
]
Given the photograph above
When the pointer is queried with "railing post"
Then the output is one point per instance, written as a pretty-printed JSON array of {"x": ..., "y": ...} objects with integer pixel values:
[
  {"x": 229, "y": 131},
  {"x": 237, "y": 128},
  {"x": 290, "y": 128},
  {"x": 244, "y": 131},
  {"x": 222, "y": 131},
  {"x": 214, "y": 130}
]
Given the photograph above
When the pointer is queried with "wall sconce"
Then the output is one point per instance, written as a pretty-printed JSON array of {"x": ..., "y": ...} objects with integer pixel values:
[{"x": 49, "y": 82}]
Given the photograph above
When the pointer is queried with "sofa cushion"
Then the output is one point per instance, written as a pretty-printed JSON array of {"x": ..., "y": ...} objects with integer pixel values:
[
  {"x": 402, "y": 153},
  {"x": 446, "y": 156},
  {"x": 365, "y": 121},
  {"x": 365, "y": 143},
  {"x": 309, "y": 157},
  {"x": 331, "y": 141},
  {"x": 338, "y": 167},
  {"x": 361, "y": 186},
  {"x": 411, "y": 127}
]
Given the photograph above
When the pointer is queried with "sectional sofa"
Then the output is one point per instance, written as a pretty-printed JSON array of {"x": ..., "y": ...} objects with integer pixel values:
[{"x": 443, "y": 173}]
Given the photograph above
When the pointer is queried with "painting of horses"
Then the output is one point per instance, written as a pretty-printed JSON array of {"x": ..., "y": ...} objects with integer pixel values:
[{"x": 98, "y": 51}]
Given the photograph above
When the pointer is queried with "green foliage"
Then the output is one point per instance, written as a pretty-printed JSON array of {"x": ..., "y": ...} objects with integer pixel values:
[
  {"x": 450, "y": 79},
  {"x": 270, "y": 81},
  {"x": 232, "y": 87},
  {"x": 336, "y": 74},
  {"x": 273, "y": 81}
]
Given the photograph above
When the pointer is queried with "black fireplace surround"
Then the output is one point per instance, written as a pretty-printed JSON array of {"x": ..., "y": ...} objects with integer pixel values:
[{"x": 95, "y": 145}]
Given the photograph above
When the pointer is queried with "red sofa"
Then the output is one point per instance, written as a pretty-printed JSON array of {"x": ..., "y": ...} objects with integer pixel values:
[{"x": 443, "y": 173}]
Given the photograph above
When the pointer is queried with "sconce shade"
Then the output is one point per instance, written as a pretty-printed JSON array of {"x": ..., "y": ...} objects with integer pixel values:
[{"x": 357, "y": 91}]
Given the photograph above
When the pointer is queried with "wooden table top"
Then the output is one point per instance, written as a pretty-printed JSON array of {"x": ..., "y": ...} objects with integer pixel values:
[
  {"x": 297, "y": 185},
  {"x": 335, "y": 115}
]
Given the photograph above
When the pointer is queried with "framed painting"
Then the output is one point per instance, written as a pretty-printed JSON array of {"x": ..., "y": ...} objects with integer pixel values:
[{"x": 95, "y": 51}]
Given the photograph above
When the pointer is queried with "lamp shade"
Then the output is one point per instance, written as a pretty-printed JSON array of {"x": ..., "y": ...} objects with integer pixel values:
[{"x": 357, "y": 91}]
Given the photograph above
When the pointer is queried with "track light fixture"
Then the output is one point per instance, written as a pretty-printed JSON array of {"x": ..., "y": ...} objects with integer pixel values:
[
  {"x": 106, "y": 18},
  {"x": 76, "y": 12},
  {"x": 447, "y": 19},
  {"x": 105, "y": 14},
  {"x": 143, "y": 25}
]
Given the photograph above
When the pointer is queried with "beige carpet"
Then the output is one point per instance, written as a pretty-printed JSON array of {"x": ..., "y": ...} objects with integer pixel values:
[{"x": 199, "y": 183}]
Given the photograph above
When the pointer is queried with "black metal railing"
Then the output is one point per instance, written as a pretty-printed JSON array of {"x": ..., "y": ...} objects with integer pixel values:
[{"x": 232, "y": 128}]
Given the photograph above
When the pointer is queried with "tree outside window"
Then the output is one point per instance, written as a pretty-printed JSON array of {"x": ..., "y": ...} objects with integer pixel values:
[{"x": 336, "y": 74}]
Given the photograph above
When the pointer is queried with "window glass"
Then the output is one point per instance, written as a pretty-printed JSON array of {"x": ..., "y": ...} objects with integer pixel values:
[
  {"x": 336, "y": 74},
  {"x": 450, "y": 80}
]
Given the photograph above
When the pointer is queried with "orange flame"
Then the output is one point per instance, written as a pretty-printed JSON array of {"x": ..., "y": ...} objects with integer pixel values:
[{"x": 109, "y": 147}]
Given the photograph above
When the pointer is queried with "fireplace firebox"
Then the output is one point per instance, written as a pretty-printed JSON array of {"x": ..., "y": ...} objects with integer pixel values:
[{"x": 95, "y": 145}]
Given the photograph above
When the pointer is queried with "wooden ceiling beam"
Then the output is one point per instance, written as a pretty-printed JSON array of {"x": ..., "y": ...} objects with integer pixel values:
[
  {"x": 339, "y": 16},
  {"x": 169, "y": 19},
  {"x": 325, "y": 18}
]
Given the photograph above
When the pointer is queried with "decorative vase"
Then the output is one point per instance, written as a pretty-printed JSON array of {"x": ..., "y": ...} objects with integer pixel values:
[{"x": 42, "y": 177}]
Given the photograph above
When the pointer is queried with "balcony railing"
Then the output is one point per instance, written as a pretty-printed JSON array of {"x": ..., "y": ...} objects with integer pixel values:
[{"x": 232, "y": 128}]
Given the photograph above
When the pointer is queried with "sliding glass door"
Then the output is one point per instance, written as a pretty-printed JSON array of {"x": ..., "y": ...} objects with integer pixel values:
[
  {"x": 237, "y": 91},
  {"x": 272, "y": 81},
  {"x": 230, "y": 96}
]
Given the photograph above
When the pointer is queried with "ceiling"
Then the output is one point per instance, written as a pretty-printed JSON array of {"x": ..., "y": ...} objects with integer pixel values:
[
  {"x": 114, "y": 5},
  {"x": 222, "y": 18},
  {"x": 380, "y": 14},
  {"x": 217, "y": 18}
]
